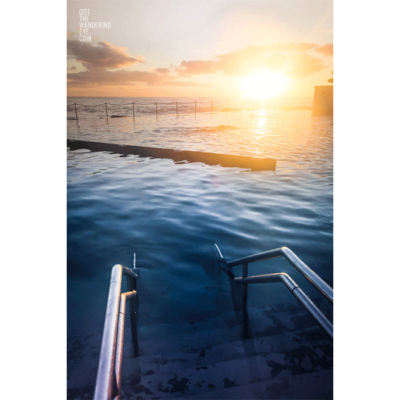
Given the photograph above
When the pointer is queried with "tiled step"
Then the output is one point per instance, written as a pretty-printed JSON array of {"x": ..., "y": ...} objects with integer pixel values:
[
  {"x": 225, "y": 328},
  {"x": 242, "y": 364},
  {"x": 172, "y": 352},
  {"x": 312, "y": 385},
  {"x": 203, "y": 356}
]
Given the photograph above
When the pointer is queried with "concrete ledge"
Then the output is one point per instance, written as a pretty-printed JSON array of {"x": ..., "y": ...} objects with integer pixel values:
[
  {"x": 323, "y": 100},
  {"x": 225, "y": 160}
]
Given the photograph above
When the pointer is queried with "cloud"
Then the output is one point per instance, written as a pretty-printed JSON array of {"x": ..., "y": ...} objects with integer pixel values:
[
  {"x": 326, "y": 50},
  {"x": 299, "y": 47},
  {"x": 289, "y": 58},
  {"x": 123, "y": 77},
  {"x": 163, "y": 70},
  {"x": 101, "y": 59},
  {"x": 299, "y": 66},
  {"x": 100, "y": 55},
  {"x": 197, "y": 67}
]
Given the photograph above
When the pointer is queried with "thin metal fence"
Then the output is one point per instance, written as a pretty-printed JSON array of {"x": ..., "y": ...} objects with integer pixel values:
[{"x": 163, "y": 108}]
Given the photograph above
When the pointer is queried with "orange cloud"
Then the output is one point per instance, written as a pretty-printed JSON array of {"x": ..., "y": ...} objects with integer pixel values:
[
  {"x": 197, "y": 67},
  {"x": 100, "y": 55},
  {"x": 101, "y": 60},
  {"x": 289, "y": 58},
  {"x": 123, "y": 77},
  {"x": 163, "y": 70},
  {"x": 326, "y": 50},
  {"x": 300, "y": 65}
]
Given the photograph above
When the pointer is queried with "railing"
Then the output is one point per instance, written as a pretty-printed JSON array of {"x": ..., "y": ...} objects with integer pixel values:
[
  {"x": 321, "y": 285},
  {"x": 108, "y": 382},
  {"x": 195, "y": 107}
]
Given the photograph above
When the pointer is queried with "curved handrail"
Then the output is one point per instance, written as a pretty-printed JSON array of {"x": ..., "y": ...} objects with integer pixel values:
[
  {"x": 297, "y": 292},
  {"x": 120, "y": 340},
  {"x": 306, "y": 271},
  {"x": 106, "y": 382}
]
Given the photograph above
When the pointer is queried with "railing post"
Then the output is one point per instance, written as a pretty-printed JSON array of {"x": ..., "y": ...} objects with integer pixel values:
[
  {"x": 76, "y": 113},
  {"x": 244, "y": 292},
  {"x": 132, "y": 286},
  {"x": 244, "y": 298}
]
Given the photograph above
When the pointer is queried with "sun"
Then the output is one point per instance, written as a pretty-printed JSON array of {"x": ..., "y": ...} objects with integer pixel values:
[{"x": 264, "y": 84}]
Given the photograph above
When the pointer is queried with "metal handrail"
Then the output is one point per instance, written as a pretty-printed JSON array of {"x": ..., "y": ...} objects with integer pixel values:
[
  {"x": 108, "y": 382},
  {"x": 321, "y": 285},
  {"x": 297, "y": 292}
]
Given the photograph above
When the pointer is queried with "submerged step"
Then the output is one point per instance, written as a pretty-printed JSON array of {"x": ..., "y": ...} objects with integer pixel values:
[
  {"x": 274, "y": 365},
  {"x": 182, "y": 357},
  {"x": 224, "y": 160}
]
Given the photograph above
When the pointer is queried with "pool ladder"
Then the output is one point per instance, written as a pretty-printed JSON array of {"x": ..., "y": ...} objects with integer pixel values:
[
  {"x": 308, "y": 304},
  {"x": 108, "y": 382}
]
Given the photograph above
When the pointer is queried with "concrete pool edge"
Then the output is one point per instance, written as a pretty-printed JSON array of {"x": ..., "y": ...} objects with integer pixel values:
[{"x": 224, "y": 160}]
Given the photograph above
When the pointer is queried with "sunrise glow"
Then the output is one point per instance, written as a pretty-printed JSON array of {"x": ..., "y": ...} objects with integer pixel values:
[{"x": 264, "y": 84}]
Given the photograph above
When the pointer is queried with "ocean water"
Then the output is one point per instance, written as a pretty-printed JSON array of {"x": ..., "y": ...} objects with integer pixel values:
[{"x": 171, "y": 214}]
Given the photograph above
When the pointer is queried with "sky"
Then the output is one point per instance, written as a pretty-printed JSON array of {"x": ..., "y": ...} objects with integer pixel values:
[{"x": 191, "y": 48}]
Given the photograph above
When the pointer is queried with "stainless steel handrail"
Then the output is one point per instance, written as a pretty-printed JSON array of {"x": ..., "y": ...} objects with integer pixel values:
[
  {"x": 321, "y": 285},
  {"x": 297, "y": 292},
  {"x": 120, "y": 340},
  {"x": 109, "y": 370}
]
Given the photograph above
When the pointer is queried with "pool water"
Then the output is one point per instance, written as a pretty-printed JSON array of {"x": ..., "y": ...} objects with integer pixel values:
[{"x": 171, "y": 214}]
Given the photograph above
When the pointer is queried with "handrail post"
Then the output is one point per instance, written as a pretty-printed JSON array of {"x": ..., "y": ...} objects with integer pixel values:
[
  {"x": 244, "y": 299},
  {"x": 244, "y": 292},
  {"x": 133, "y": 304}
]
